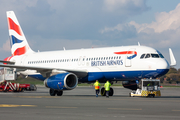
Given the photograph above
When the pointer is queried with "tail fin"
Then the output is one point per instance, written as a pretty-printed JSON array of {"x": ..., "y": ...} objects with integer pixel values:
[{"x": 19, "y": 44}]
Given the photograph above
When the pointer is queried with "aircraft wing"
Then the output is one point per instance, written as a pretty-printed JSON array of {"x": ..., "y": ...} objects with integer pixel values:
[
  {"x": 8, "y": 62},
  {"x": 45, "y": 70}
]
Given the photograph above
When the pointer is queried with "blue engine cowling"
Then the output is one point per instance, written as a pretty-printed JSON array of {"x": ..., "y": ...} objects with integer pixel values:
[{"x": 63, "y": 81}]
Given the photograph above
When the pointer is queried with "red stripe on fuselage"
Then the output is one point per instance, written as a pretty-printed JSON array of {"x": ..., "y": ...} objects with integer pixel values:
[
  {"x": 126, "y": 52},
  {"x": 14, "y": 26}
]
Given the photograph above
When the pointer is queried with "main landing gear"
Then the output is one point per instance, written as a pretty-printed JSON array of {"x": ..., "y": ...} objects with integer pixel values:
[
  {"x": 53, "y": 92},
  {"x": 103, "y": 92}
]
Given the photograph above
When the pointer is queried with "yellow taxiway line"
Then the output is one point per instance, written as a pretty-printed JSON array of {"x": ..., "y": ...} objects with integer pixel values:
[{"x": 10, "y": 105}]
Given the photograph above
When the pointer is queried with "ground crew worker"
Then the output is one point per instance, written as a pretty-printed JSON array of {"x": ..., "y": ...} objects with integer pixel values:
[
  {"x": 107, "y": 87},
  {"x": 97, "y": 86}
]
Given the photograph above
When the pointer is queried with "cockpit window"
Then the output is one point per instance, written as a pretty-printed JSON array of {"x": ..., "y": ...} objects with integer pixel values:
[
  {"x": 142, "y": 56},
  {"x": 161, "y": 55},
  {"x": 152, "y": 55},
  {"x": 147, "y": 56},
  {"x": 155, "y": 55}
]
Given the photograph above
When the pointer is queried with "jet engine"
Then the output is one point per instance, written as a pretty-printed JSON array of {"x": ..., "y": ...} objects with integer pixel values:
[
  {"x": 63, "y": 81},
  {"x": 130, "y": 85}
]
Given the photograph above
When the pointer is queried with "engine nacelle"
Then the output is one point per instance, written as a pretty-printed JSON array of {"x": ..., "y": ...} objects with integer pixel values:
[
  {"x": 63, "y": 81},
  {"x": 130, "y": 85}
]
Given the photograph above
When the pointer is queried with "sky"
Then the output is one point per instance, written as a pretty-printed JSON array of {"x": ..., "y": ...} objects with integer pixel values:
[{"x": 74, "y": 24}]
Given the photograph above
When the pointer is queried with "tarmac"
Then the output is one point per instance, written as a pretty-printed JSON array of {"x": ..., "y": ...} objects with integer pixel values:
[{"x": 81, "y": 104}]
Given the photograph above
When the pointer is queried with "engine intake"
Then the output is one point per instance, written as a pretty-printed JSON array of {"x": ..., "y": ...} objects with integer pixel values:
[{"x": 63, "y": 81}]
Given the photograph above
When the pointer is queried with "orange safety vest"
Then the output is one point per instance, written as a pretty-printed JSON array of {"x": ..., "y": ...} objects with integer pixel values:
[{"x": 97, "y": 85}]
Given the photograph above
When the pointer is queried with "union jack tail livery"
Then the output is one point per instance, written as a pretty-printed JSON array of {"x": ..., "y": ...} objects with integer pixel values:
[{"x": 19, "y": 44}]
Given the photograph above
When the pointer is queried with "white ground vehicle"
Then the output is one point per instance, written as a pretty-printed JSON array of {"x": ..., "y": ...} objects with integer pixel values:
[{"x": 147, "y": 88}]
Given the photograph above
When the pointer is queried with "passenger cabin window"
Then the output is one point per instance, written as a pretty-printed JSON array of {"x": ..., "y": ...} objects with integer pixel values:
[
  {"x": 142, "y": 56},
  {"x": 148, "y": 56}
]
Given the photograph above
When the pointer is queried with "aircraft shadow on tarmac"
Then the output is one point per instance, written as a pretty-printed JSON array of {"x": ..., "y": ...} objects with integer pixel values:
[{"x": 169, "y": 97}]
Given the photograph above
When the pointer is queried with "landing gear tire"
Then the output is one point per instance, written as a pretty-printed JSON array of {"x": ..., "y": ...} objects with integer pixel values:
[
  {"x": 111, "y": 92},
  {"x": 103, "y": 92},
  {"x": 151, "y": 95},
  {"x": 59, "y": 93},
  {"x": 52, "y": 92}
]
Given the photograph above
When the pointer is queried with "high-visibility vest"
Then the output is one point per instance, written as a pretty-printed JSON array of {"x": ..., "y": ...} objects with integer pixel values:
[
  {"x": 107, "y": 86},
  {"x": 97, "y": 85}
]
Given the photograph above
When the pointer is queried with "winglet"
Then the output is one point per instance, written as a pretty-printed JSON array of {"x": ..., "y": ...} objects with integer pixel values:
[{"x": 173, "y": 60}]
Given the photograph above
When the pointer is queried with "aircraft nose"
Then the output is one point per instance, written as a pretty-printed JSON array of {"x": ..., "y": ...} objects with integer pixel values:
[
  {"x": 163, "y": 64},
  {"x": 162, "y": 67}
]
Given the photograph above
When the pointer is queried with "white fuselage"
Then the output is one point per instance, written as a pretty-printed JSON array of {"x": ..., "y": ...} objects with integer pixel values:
[{"x": 98, "y": 60}]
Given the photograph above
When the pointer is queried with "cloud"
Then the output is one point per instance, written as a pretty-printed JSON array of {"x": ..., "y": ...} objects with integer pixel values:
[
  {"x": 164, "y": 21},
  {"x": 69, "y": 23},
  {"x": 6, "y": 46},
  {"x": 129, "y": 7},
  {"x": 19, "y": 5},
  {"x": 163, "y": 32},
  {"x": 59, "y": 44}
]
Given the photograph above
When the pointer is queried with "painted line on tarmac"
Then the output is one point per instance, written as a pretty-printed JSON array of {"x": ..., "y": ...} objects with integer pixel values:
[
  {"x": 176, "y": 110},
  {"x": 103, "y": 98},
  {"x": 146, "y": 100},
  {"x": 59, "y": 107},
  {"x": 38, "y": 97},
  {"x": 124, "y": 109},
  {"x": 9, "y": 105}
]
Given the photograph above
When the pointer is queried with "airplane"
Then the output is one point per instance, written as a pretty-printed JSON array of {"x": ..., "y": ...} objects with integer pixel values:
[{"x": 64, "y": 69}]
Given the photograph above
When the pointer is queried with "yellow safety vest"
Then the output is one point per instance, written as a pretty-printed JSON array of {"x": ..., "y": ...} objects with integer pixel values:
[
  {"x": 97, "y": 85},
  {"x": 107, "y": 86}
]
